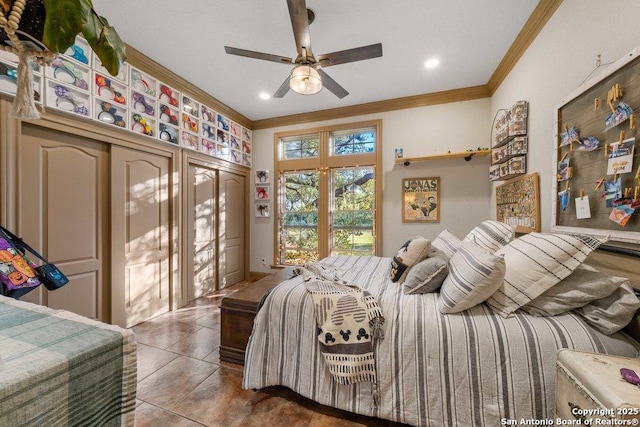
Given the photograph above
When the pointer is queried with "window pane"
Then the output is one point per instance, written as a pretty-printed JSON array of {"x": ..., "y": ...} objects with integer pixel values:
[
  {"x": 299, "y": 147},
  {"x": 353, "y": 142},
  {"x": 299, "y": 218},
  {"x": 353, "y": 202}
]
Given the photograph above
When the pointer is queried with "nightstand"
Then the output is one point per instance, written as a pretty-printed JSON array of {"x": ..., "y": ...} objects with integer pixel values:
[{"x": 589, "y": 386}]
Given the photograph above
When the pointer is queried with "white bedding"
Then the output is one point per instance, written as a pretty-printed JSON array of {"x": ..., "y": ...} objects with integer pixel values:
[{"x": 470, "y": 368}]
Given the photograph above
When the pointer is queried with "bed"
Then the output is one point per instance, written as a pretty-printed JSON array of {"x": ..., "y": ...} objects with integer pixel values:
[
  {"x": 58, "y": 368},
  {"x": 474, "y": 367}
]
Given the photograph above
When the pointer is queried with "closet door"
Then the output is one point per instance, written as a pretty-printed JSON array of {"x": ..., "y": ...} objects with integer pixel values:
[
  {"x": 201, "y": 242},
  {"x": 232, "y": 228},
  {"x": 141, "y": 237},
  {"x": 62, "y": 213}
]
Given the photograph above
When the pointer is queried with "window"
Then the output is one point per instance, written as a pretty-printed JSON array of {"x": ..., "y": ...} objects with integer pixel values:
[{"x": 328, "y": 187}]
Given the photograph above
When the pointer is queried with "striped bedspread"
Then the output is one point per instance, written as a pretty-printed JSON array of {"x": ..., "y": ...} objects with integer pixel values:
[
  {"x": 468, "y": 369},
  {"x": 62, "y": 369}
]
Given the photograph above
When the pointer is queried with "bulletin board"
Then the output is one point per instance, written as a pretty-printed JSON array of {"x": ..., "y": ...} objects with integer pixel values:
[
  {"x": 597, "y": 155},
  {"x": 518, "y": 203}
]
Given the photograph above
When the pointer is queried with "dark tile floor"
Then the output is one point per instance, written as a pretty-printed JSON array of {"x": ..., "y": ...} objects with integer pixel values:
[{"x": 182, "y": 382}]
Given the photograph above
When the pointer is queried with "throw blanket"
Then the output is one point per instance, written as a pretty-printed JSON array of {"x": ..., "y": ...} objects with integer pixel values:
[{"x": 348, "y": 320}]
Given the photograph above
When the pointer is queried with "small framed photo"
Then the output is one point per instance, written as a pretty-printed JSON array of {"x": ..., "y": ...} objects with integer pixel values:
[
  {"x": 263, "y": 177},
  {"x": 399, "y": 153},
  {"x": 263, "y": 210},
  {"x": 262, "y": 192}
]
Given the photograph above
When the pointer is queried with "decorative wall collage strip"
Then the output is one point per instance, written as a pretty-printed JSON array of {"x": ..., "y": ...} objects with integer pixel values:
[{"x": 76, "y": 83}]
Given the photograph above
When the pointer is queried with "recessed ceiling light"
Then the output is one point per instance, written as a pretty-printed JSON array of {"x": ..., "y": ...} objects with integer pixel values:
[
  {"x": 432, "y": 63},
  {"x": 264, "y": 95}
]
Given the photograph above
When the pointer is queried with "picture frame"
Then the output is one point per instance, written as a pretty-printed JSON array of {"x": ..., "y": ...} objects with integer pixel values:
[
  {"x": 263, "y": 210},
  {"x": 262, "y": 192},
  {"x": 262, "y": 176},
  {"x": 421, "y": 200}
]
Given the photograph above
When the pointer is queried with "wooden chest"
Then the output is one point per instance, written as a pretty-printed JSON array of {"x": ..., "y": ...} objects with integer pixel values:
[
  {"x": 589, "y": 386},
  {"x": 237, "y": 312}
]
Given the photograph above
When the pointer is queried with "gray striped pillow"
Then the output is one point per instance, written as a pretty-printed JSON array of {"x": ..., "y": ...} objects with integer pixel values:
[
  {"x": 474, "y": 275},
  {"x": 491, "y": 235},
  {"x": 447, "y": 243},
  {"x": 536, "y": 262}
]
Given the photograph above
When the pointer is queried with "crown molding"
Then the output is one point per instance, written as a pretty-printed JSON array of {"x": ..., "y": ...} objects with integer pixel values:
[
  {"x": 454, "y": 95},
  {"x": 148, "y": 65},
  {"x": 538, "y": 19}
]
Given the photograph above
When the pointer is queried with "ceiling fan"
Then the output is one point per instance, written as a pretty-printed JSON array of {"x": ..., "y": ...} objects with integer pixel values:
[{"x": 308, "y": 76}]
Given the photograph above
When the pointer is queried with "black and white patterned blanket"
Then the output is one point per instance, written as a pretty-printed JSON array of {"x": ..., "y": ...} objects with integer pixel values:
[{"x": 348, "y": 320}]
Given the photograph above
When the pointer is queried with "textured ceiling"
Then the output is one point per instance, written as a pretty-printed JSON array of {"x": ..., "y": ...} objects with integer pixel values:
[{"x": 469, "y": 37}]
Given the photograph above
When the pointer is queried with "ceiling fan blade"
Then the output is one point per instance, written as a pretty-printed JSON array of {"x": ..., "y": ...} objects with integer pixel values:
[
  {"x": 351, "y": 55},
  {"x": 258, "y": 55},
  {"x": 332, "y": 85},
  {"x": 283, "y": 89},
  {"x": 300, "y": 24}
]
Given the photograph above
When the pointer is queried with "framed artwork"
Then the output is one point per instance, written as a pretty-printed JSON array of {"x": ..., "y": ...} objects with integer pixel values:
[
  {"x": 421, "y": 199},
  {"x": 262, "y": 192},
  {"x": 263, "y": 210},
  {"x": 263, "y": 177}
]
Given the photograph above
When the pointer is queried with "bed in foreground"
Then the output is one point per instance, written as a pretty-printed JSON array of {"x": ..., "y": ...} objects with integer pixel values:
[
  {"x": 469, "y": 368},
  {"x": 58, "y": 368}
]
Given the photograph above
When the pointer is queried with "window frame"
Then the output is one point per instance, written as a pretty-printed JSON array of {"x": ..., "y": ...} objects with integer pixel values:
[{"x": 324, "y": 163}]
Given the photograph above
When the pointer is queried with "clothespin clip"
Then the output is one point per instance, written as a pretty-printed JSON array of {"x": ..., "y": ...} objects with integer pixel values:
[
  {"x": 599, "y": 183},
  {"x": 627, "y": 192},
  {"x": 564, "y": 156},
  {"x": 632, "y": 121},
  {"x": 596, "y": 104},
  {"x": 581, "y": 193},
  {"x": 606, "y": 151},
  {"x": 618, "y": 91},
  {"x": 636, "y": 192},
  {"x": 566, "y": 185},
  {"x": 637, "y": 177},
  {"x": 621, "y": 136}
]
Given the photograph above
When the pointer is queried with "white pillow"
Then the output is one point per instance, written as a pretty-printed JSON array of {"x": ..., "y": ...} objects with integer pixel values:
[
  {"x": 447, "y": 243},
  {"x": 427, "y": 275},
  {"x": 612, "y": 313},
  {"x": 474, "y": 275},
  {"x": 584, "y": 285},
  {"x": 412, "y": 252},
  {"x": 491, "y": 235},
  {"x": 535, "y": 262}
]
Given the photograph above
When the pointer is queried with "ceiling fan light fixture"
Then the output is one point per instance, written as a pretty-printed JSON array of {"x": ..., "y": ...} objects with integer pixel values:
[{"x": 305, "y": 80}]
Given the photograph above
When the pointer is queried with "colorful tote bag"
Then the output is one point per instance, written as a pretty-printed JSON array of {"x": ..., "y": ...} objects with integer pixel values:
[{"x": 16, "y": 270}]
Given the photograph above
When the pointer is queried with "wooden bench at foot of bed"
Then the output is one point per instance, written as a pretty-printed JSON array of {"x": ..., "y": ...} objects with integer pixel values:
[{"x": 237, "y": 312}]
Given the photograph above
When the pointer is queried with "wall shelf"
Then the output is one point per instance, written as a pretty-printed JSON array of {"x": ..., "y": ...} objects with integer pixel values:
[{"x": 467, "y": 155}]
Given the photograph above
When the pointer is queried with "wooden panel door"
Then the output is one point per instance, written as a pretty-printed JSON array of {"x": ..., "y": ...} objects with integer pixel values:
[
  {"x": 62, "y": 210},
  {"x": 232, "y": 228},
  {"x": 141, "y": 241},
  {"x": 201, "y": 241}
]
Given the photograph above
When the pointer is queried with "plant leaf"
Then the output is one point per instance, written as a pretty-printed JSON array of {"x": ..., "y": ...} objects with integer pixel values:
[
  {"x": 65, "y": 19},
  {"x": 105, "y": 42}
]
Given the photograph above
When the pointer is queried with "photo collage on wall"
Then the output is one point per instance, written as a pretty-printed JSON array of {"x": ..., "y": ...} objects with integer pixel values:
[
  {"x": 262, "y": 193},
  {"x": 78, "y": 84},
  {"x": 509, "y": 142}
]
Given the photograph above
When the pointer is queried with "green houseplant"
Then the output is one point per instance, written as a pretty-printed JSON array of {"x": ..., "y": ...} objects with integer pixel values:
[{"x": 65, "y": 19}]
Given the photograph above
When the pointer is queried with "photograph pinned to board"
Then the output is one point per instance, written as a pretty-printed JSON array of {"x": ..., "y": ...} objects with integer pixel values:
[
  {"x": 589, "y": 143},
  {"x": 570, "y": 134},
  {"x": 583, "y": 210},
  {"x": 263, "y": 176},
  {"x": 564, "y": 196},
  {"x": 263, "y": 210},
  {"x": 620, "y": 156},
  {"x": 262, "y": 192},
  {"x": 564, "y": 171},
  {"x": 421, "y": 199},
  {"x": 612, "y": 191},
  {"x": 622, "y": 112}
]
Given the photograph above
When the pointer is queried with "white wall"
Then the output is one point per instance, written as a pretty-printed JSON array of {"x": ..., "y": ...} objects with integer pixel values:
[
  {"x": 558, "y": 62},
  {"x": 465, "y": 187}
]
